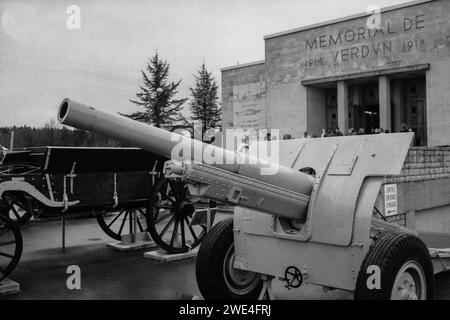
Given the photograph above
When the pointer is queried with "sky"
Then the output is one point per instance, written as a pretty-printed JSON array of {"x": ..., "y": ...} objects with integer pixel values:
[{"x": 42, "y": 61}]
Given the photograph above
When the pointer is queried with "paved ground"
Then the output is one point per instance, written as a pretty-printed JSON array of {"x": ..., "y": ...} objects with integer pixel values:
[{"x": 107, "y": 274}]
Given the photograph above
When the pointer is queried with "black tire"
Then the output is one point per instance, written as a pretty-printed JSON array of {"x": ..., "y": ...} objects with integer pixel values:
[
  {"x": 116, "y": 224},
  {"x": 397, "y": 254},
  {"x": 169, "y": 215},
  {"x": 11, "y": 246},
  {"x": 17, "y": 206},
  {"x": 212, "y": 267}
]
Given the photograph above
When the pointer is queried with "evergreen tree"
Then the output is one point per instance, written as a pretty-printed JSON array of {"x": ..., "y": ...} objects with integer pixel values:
[
  {"x": 204, "y": 104},
  {"x": 157, "y": 96}
]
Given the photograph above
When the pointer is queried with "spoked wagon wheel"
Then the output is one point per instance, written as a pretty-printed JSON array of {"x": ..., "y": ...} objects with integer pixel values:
[
  {"x": 17, "y": 206},
  {"x": 116, "y": 224},
  {"x": 170, "y": 216},
  {"x": 10, "y": 246}
]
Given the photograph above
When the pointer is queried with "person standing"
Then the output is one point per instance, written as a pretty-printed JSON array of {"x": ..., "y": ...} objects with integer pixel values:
[
  {"x": 404, "y": 127},
  {"x": 337, "y": 132}
]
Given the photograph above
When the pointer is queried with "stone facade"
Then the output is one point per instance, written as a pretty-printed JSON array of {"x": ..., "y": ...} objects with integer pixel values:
[{"x": 411, "y": 38}]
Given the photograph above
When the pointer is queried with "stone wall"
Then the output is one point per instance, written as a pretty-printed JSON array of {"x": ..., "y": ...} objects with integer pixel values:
[
  {"x": 424, "y": 164},
  {"x": 422, "y": 186}
]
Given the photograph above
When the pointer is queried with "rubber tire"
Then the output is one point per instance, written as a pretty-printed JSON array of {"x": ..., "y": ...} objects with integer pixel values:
[
  {"x": 209, "y": 265},
  {"x": 19, "y": 246},
  {"x": 390, "y": 252}
]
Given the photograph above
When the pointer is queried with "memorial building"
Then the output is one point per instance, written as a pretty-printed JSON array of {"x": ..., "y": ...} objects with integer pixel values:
[{"x": 387, "y": 69}]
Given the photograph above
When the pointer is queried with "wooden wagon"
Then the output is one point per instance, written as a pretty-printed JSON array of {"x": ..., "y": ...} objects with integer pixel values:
[{"x": 123, "y": 187}]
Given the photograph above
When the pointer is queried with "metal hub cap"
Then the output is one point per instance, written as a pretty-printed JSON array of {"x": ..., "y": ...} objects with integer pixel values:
[
  {"x": 238, "y": 281},
  {"x": 410, "y": 283}
]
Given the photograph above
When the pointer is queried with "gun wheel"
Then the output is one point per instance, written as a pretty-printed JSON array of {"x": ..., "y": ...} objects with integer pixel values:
[
  {"x": 10, "y": 246},
  {"x": 405, "y": 270},
  {"x": 217, "y": 278},
  {"x": 170, "y": 213},
  {"x": 121, "y": 222}
]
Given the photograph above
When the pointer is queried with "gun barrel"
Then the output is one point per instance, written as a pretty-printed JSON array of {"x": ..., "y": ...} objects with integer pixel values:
[{"x": 167, "y": 144}]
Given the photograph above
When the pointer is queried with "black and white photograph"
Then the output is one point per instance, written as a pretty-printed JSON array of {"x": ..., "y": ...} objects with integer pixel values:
[{"x": 242, "y": 151}]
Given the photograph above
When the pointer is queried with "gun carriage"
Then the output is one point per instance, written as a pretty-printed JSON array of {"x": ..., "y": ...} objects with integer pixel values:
[{"x": 117, "y": 185}]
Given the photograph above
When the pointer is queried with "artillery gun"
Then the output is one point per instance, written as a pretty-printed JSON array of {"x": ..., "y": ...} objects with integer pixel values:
[{"x": 316, "y": 227}]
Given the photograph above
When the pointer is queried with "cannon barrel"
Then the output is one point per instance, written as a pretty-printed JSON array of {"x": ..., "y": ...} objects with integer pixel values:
[{"x": 284, "y": 193}]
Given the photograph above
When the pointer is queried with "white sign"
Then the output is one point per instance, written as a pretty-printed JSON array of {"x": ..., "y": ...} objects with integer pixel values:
[
  {"x": 249, "y": 106},
  {"x": 390, "y": 200}
]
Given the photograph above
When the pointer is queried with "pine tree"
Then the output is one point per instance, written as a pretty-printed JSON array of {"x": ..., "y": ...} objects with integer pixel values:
[
  {"x": 204, "y": 104},
  {"x": 157, "y": 96}
]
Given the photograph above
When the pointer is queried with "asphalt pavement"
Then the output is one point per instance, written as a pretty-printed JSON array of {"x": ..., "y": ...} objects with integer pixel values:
[{"x": 109, "y": 274}]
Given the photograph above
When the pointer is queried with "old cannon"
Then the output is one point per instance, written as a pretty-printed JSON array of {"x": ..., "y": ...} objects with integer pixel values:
[{"x": 307, "y": 218}]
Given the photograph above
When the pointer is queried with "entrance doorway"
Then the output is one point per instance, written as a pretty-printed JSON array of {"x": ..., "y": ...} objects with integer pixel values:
[
  {"x": 408, "y": 105},
  {"x": 414, "y": 109},
  {"x": 363, "y": 107},
  {"x": 368, "y": 111},
  {"x": 331, "y": 107}
]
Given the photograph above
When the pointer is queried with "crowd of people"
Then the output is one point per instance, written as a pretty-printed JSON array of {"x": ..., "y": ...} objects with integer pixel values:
[
  {"x": 244, "y": 145},
  {"x": 351, "y": 132}
]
